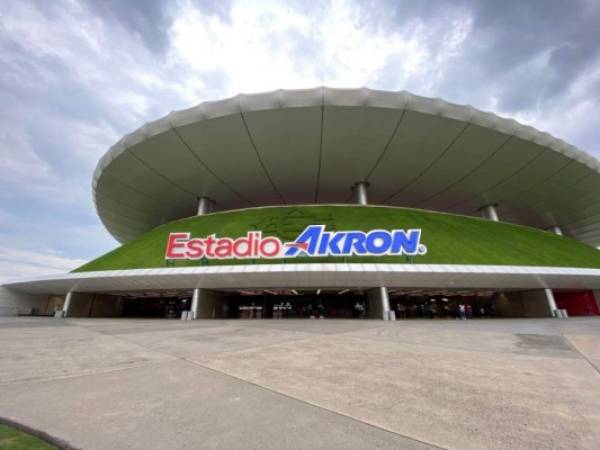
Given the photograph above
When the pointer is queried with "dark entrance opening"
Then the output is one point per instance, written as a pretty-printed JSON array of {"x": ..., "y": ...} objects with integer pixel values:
[
  {"x": 430, "y": 304},
  {"x": 155, "y": 305},
  {"x": 291, "y": 303}
]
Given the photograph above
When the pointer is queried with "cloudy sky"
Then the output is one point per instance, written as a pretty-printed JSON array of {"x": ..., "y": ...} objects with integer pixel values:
[{"x": 77, "y": 75}]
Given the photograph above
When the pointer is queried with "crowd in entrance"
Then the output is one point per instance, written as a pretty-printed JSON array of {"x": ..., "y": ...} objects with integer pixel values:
[
  {"x": 297, "y": 306},
  {"x": 285, "y": 310},
  {"x": 318, "y": 307},
  {"x": 442, "y": 309},
  {"x": 404, "y": 308},
  {"x": 359, "y": 310}
]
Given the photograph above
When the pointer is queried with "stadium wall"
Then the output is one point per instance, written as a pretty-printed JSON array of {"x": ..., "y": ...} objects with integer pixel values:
[{"x": 15, "y": 303}]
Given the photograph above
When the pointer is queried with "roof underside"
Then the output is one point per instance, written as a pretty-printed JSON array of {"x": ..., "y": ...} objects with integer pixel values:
[
  {"x": 315, "y": 276},
  {"x": 311, "y": 146}
]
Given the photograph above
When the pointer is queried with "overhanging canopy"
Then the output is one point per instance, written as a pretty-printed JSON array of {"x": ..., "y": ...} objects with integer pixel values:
[
  {"x": 315, "y": 276},
  {"x": 311, "y": 146}
]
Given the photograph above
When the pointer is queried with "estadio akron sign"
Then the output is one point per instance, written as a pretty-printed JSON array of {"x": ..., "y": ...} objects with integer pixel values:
[{"x": 314, "y": 241}]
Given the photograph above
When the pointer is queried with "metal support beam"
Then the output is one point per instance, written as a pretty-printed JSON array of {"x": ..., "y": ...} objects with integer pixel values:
[
  {"x": 360, "y": 193},
  {"x": 489, "y": 212},
  {"x": 205, "y": 205},
  {"x": 67, "y": 303}
]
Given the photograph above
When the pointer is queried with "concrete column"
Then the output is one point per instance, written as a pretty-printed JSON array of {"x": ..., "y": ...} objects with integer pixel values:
[
  {"x": 551, "y": 302},
  {"x": 489, "y": 212},
  {"x": 205, "y": 205},
  {"x": 67, "y": 304},
  {"x": 207, "y": 304},
  {"x": 379, "y": 303},
  {"x": 360, "y": 193},
  {"x": 195, "y": 300},
  {"x": 556, "y": 230}
]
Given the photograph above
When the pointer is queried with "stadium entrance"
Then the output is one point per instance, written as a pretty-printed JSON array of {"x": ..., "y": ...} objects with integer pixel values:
[
  {"x": 423, "y": 304},
  {"x": 316, "y": 303},
  {"x": 292, "y": 303},
  {"x": 167, "y": 305},
  {"x": 247, "y": 304}
]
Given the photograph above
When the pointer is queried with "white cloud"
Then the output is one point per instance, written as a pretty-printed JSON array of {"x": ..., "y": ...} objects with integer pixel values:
[
  {"x": 73, "y": 81},
  {"x": 574, "y": 116},
  {"x": 268, "y": 45},
  {"x": 16, "y": 263}
]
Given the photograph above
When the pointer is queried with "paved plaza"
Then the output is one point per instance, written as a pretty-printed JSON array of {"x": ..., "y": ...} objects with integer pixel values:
[{"x": 414, "y": 384}]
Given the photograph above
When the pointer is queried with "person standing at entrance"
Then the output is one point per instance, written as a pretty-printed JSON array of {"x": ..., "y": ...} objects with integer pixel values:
[
  {"x": 401, "y": 310},
  {"x": 469, "y": 311},
  {"x": 321, "y": 311},
  {"x": 461, "y": 311},
  {"x": 356, "y": 310}
]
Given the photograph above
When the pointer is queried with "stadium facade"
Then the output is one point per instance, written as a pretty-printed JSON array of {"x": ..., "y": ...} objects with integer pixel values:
[{"x": 335, "y": 203}]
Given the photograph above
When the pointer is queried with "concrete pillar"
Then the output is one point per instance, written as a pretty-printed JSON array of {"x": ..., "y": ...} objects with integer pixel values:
[
  {"x": 205, "y": 205},
  {"x": 207, "y": 304},
  {"x": 360, "y": 193},
  {"x": 551, "y": 302},
  {"x": 556, "y": 230},
  {"x": 379, "y": 303},
  {"x": 489, "y": 212},
  {"x": 195, "y": 300},
  {"x": 67, "y": 304}
]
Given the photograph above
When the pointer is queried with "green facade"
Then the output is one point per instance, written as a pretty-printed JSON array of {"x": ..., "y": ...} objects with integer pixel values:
[{"x": 450, "y": 239}]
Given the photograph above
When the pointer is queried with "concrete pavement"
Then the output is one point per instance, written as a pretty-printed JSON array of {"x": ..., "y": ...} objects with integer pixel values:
[{"x": 121, "y": 383}]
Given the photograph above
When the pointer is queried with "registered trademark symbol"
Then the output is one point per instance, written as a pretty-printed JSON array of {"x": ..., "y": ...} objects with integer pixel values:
[{"x": 422, "y": 249}]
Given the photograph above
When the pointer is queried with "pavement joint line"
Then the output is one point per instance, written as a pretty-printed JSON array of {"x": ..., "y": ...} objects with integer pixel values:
[
  {"x": 255, "y": 347},
  {"x": 332, "y": 411},
  {"x": 205, "y": 360},
  {"x": 199, "y": 364},
  {"x": 174, "y": 357},
  {"x": 350, "y": 334},
  {"x": 310, "y": 337},
  {"x": 97, "y": 371},
  {"x": 582, "y": 355},
  {"x": 88, "y": 374}
]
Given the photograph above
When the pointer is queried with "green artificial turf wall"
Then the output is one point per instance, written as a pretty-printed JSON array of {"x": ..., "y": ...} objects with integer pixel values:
[
  {"x": 13, "y": 439},
  {"x": 450, "y": 239}
]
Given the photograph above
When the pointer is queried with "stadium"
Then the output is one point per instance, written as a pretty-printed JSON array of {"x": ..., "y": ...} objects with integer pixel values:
[{"x": 335, "y": 203}]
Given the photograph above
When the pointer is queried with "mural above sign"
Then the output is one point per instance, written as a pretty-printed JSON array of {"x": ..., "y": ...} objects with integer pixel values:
[{"x": 313, "y": 241}]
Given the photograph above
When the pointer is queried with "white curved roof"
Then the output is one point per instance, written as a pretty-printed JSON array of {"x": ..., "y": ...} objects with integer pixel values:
[
  {"x": 311, "y": 146},
  {"x": 331, "y": 275}
]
